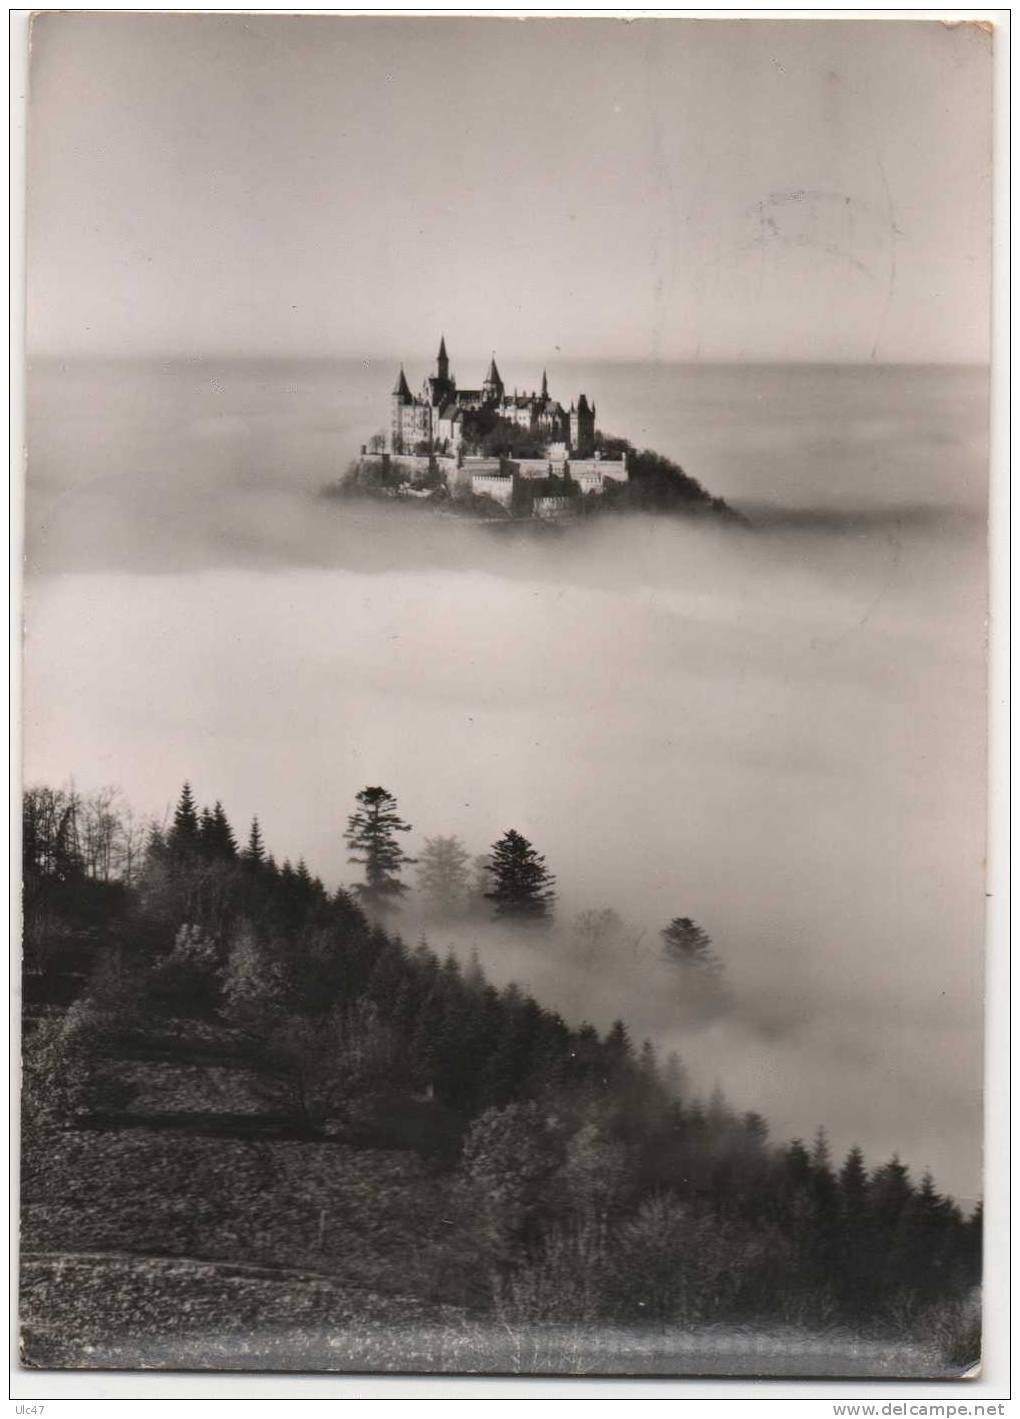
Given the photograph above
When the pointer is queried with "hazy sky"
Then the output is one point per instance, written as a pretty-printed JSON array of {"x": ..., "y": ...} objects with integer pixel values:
[{"x": 638, "y": 189}]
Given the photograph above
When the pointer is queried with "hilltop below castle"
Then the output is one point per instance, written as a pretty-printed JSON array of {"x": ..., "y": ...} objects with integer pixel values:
[{"x": 524, "y": 452}]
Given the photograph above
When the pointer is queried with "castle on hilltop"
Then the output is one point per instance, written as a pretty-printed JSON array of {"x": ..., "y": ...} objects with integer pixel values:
[
  {"x": 434, "y": 422},
  {"x": 516, "y": 453}
]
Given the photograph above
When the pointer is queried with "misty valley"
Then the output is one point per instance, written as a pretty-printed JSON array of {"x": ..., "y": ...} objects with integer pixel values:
[{"x": 689, "y": 1084}]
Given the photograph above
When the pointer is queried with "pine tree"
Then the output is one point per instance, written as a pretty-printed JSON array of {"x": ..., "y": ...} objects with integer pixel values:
[
  {"x": 443, "y": 876},
  {"x": 522, "y": 886},
  {"x": 824, "y": 1188},
  {"x": 254, "y": 853},
  {"x": 926, "y": 1235},
  {"x": 796, "y": 1163},
  {"x": 686, "y": 944},
  {"x": 648, "y": 1064},
  {"x": 673, "y": 1076},
  {"x": 617, "y": 1055},
  {"x": 891, "y": 1190},
  {"x": 821, "y": 1155},
  {"x": 371, "y": 836},
  {"x": 224, "y": 843},
  {"x": 853, "y": 1184},
  {"x": 756, "y": 1128},
  {"x": 474, "y": 976},
  {"x": 184, "y": 835},
  {"x": 215, "y": 835}
]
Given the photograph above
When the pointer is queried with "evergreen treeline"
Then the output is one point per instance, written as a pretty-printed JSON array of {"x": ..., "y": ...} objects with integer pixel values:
[{"x": 590, "y": 1182}]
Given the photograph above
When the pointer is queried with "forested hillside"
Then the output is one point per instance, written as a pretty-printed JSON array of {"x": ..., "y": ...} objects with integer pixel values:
[{"x": 227, "y": 1062}]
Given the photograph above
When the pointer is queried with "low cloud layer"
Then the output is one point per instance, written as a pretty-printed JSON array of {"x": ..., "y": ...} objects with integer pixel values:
[{"x": 777, "y": 732}]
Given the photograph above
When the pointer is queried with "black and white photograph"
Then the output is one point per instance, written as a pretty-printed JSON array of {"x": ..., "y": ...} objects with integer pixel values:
[{"x": 504, "y": 676}]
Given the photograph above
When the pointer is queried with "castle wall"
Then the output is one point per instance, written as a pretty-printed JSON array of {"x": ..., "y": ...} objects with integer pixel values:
[
  {"x": 458, "y": 478},
  {"x": 597, "y": 470},
  {"x": 499, "y": 486},
  {"x": 532, "y": 467},
  {"x": 587, "y": 480}
]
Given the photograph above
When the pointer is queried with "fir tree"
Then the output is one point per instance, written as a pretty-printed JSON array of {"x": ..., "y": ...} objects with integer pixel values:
[
  {"x": 853, "y": 1184},
  {"x": 522, "y": 886},
  {"x": 684, "y": 943},
  {"x": 824, "y": 1189},
  {"x": 216, "y": 837},
  {"x": 223, "y": 833},
  {"x": 184, "y": 835},
  {"x": 648, "y": 1064},
  {"x": 443, "y": 876},
  {"x": 756, "y": 1128},
  {"x": 474, "y": 976},
  {"x": 821, "y": 1156},
  {"x": 673, "y": 1076},
  {"x": 254, "y": 852},
  {"x": 891, "y": 1190},
  {"x": 796, "y": 1163},
  {"x": 372, "y": 837},
  {"x": 617, "y": 1054},
  {"x": 927, "y": 1230}
]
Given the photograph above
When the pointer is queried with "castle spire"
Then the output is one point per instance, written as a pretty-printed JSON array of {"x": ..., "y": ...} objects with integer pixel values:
[
  {"x": 400, "y": 389},
  {"x": 442, "y": 361},
  {"x": 545, "y": 385},
  {"x": 492, "y": 379}
]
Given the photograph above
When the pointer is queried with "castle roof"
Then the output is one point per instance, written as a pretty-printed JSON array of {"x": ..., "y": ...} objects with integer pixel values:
[
  {"x": 493, "y": 376},
  {"x": 400, "y": 388},
  {"x": 442, "y": 347}
]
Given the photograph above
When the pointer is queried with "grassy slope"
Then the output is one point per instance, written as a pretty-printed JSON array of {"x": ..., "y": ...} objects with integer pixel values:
[{"x": 114, "y": 1312}]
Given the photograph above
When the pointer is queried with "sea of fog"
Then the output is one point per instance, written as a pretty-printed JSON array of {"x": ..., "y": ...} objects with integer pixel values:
[{"x": 778, "y": 731}]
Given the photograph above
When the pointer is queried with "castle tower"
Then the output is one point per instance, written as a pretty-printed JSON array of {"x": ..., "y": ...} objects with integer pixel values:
[
  {"x": 400, "y": 400},
  {"x": 439, "y": 388},
  {"x": 492, "y": 389},
  {"x": 545, "y": 386},
  {"x": 582, "y": 428}
]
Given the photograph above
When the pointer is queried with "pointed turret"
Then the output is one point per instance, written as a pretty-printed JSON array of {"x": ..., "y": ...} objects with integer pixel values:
[
  {"x": 442, "y": 360},
  {"x": 545, "y": 385},
  {"x": 493, "y": 386},
  {"x": 400, "y": 389}
]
